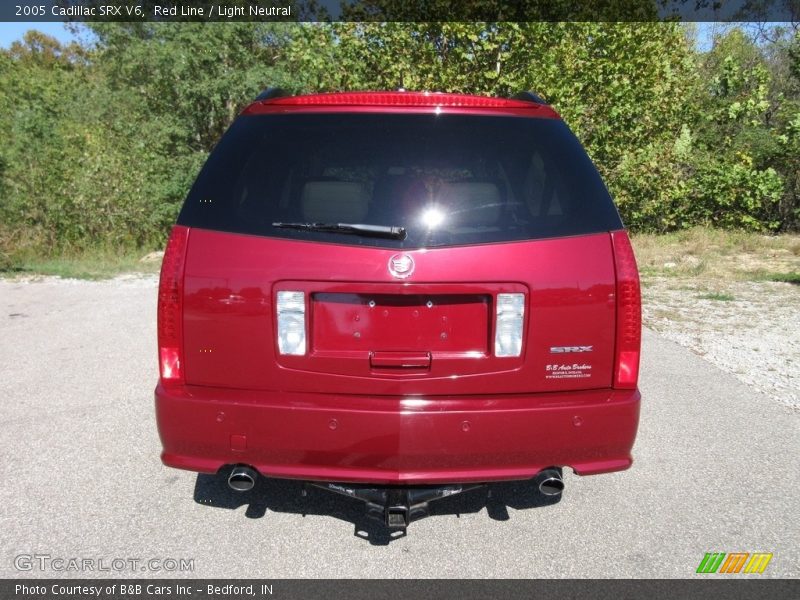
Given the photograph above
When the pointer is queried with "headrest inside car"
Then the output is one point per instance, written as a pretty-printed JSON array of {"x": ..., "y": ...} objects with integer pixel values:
[
  {"x": 334, "y": 202},
  {"x": 471, "y": 203}
]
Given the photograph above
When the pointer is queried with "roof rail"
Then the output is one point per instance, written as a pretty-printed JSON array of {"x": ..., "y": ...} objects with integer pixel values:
[
  {"x": 528, "y": 96},
  {"x": 270, "y": 93}
]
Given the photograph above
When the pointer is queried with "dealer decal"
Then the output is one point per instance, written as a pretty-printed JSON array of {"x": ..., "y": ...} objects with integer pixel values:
[{"x": 568, "y": 371}]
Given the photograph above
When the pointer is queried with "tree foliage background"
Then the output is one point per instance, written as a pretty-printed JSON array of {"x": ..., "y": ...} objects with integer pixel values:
[{"x": 102, "y": 140}]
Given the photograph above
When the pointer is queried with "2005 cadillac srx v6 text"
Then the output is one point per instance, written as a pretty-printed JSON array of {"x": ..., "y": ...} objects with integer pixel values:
[{"x": 398, "y": 296}]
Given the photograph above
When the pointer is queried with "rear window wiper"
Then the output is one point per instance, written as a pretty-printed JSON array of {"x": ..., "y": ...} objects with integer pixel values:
[{"x": 384, "y": 231}]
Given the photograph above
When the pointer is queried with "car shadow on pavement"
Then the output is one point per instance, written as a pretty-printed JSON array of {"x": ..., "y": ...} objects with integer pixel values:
[{"x": 286, "y": 496}]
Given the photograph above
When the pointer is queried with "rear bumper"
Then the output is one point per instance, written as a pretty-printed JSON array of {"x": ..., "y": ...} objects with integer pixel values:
[{"x": 390, "y": 440}]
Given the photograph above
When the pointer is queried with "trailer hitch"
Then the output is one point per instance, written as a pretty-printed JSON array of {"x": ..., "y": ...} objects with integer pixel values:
[{"x": 397, "y": 506}]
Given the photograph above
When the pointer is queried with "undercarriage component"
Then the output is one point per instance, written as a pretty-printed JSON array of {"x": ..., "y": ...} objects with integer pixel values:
[{"x": 398, "y": 506}]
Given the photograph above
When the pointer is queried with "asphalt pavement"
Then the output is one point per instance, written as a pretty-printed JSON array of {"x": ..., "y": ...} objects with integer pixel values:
[{"x": 716, "y": 470}]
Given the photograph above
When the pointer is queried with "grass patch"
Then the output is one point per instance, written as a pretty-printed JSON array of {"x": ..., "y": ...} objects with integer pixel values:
[
  {"x": 784, "y": 277},
  {"x": 669, "y": 314},
  {"x": 704, "y": 253},
  {"x": 92, "y": 264},
  {"x": 720, "y": 296}
]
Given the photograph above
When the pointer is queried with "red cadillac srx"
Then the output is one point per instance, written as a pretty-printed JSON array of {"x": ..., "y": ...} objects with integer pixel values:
[{"x": 398, "y": 296}]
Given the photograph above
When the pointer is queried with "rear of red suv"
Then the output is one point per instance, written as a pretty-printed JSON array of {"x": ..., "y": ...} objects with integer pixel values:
[{"x": 382, "y": 291}]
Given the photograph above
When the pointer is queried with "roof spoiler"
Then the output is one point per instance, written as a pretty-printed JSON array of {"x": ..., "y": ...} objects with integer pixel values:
[
  {"x": 270, "y": 93},
  {"x": 528, "y": 96}
]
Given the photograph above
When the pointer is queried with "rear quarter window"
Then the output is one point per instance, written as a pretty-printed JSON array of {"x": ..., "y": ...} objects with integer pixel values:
[{"x": 446, "y": 179}]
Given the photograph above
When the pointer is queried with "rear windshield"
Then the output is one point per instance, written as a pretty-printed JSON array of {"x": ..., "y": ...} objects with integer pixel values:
[{"x": 446, "y": 179}]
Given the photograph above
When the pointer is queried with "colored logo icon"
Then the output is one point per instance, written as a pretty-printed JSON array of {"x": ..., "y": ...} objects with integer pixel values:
[{"x": 734, "y": 562}]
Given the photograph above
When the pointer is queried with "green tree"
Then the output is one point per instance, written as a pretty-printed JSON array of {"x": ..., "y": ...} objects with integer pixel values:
[{"x": 101, "y": 143}]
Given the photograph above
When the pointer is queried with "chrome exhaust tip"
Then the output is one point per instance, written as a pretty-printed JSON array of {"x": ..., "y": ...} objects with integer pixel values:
[
  {"x": 242, "y": 478},
  {"x": 550, "y": 482}
]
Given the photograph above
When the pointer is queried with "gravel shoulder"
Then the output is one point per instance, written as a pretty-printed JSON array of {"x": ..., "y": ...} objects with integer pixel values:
[{"x": 749, "y": 329}]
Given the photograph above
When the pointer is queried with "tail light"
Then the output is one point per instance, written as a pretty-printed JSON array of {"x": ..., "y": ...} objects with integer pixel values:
[
  {"x": 508, "y": 328},
  {"x": 291, "y": 308},
  {"x": 629, "y": 313},
  {"x": 170, "y": 306}
]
